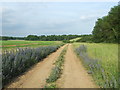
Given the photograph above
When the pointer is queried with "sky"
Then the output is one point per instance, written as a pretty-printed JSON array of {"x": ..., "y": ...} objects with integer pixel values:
[{"x": 48, "y": 18}]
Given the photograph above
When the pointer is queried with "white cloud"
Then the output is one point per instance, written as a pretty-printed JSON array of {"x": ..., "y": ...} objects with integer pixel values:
[
  {"x": 86, "y": 17},
  {"x": 83, "y": 17}
]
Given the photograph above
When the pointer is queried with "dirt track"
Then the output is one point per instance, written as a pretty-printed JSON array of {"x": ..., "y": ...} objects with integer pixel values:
[
  {"x": 36, "y": 76},
  {"x": 74, "y": 74}
]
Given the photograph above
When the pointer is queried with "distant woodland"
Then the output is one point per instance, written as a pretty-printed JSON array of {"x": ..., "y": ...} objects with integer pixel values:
[{"x": 42, "y": 37}]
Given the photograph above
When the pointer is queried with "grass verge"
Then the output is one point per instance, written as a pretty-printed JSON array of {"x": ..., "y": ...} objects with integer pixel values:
[{"x": 101, "y": 61}]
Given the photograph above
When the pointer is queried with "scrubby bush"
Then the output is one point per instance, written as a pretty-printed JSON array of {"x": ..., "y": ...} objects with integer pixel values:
[
  {"x": 18, "y": 61},
  {"x": 86, "y": 38},
  {"x": 66, "y": 41},
  {"x": 94, "y": 66}
]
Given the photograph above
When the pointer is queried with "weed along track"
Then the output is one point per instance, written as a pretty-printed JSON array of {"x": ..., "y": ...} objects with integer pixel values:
[
  {"x": 36, "y": 76},
  {"x": 56, "y": 70},
  {"x": 74, "y": 75}
]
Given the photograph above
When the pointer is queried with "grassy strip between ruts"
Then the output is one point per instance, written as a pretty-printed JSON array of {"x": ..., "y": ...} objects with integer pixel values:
[{"x": 56, "y": 71}]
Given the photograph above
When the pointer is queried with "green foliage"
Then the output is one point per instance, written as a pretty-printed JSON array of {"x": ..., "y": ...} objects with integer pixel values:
[
  {"x": 51, "y": 37},
  {"x": 66, "y": 41},
  {"x": 32, "y": 37},
  {"x": 107, "y": 28},
  {"x": 18, "y": 61},
  {"x": 85, "y": 38},
  {"x": 51, "y": 85},
  {"x": 11, "y": 38}
]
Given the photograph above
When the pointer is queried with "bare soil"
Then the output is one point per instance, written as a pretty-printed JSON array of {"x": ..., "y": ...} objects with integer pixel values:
[
  {"x": 36, "y": 76},
  {"x": 74, "y": 74}
]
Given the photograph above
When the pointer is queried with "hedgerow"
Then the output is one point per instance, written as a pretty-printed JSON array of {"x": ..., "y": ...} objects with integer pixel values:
[{"x": 17, "y": 61}]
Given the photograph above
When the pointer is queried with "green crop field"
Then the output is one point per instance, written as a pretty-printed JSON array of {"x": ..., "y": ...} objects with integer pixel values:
[
  {"x": 21, "y": 43},
  {"x": 107, "y": 55},
  {"x": 75, "y": 39}
]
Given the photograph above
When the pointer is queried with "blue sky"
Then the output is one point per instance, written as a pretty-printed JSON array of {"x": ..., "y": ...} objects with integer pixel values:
[{"x": 38, "y": 18}]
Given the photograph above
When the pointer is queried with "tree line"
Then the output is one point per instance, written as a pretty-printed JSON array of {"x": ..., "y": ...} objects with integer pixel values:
[
  {"x": 11, "y": 38},
  {"x": 51, "y": 37},
  {"x": 42, "y": 37}
]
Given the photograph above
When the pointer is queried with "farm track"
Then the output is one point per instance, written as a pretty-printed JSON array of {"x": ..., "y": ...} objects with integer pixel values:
[
  {"x": 74, "y": 74},
  {"x": 36, "y": 76}
]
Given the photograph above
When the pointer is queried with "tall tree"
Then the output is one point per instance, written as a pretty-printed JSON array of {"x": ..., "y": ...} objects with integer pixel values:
[{"x": 107, "y": 29}]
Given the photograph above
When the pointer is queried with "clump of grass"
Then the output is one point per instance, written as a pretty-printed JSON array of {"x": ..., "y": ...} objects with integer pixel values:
[
  {"x": 18, "y": 61},
  {"x": 55, "y": 74},
  {"x": 56, "y": 71},
  {"x": 51, "y": 85},
  {"x": 100, "y": 74}
]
